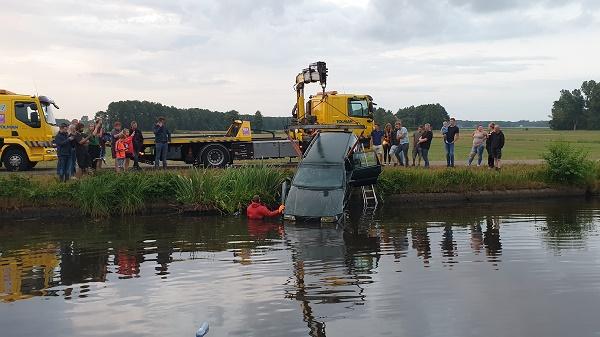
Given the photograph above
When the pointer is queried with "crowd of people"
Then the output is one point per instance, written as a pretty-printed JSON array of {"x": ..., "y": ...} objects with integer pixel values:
[
  {"x": 392, "y": 145},
  {"x": 82, "y": 151}
]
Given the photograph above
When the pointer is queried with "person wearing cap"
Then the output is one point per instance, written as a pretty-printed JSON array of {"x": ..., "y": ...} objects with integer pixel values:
[
  {"x": 257, "y": 211},
  {"x": 62, "y": 141}
]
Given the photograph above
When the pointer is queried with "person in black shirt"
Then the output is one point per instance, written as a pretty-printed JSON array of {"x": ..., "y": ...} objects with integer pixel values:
[
  {"x": 488, "y": 145},
  {"x": 496, "y": 145},
  {"x": 451, "y": 138},
  {"x": 425, "y": 143},
  {"x": 138, "y": 144}
]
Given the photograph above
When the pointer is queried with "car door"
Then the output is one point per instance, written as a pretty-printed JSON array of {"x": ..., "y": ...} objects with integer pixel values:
[{"x": 364, "y": 171}]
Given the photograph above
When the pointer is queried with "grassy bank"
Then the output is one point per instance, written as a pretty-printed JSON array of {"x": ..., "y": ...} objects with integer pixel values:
[
  {"x": 463, "y": 179},
  {"x": 228, "y": 191},
  {"x": 224, "y": 191}
]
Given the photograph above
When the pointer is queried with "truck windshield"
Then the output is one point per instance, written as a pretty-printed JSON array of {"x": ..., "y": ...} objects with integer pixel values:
[
  {"x": 319, "y": 176},
  {"x": 358, "y": 108},
  {"x": 49, "y": 113}
]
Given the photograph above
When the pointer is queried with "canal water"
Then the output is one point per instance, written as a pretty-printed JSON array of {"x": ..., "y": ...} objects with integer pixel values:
[{"x": 469, "y": 270}]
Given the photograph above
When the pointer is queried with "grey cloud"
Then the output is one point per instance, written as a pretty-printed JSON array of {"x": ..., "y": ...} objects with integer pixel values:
[{"x": 429, "y": 21}]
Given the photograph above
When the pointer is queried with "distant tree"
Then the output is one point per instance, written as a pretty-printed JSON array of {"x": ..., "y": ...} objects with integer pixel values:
[
  {"x": 568, "y": 111},
  {"x": 591, "y": 90},
  {"x": 232, "y": 115},
  {"x": 146, "y": 113},
  {"x": 257, "y": 121},
  {"x": 382, "y": 117},
  {"x": 412, "y": 116}
]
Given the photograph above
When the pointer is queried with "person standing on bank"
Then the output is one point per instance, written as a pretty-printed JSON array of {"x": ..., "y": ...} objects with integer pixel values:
[
  {"x": 82, "y": 151},
  {"x": 403, "y": 144},
  {"x": 115, "y": 134},
  {"x": 416, "y": 152},
  {"x": 94, "y": 131},
  {"x": 479, "y": 141},
  {"x": 488, "y": 145},
  {"x": 451, "y": 138},
  {"x": 387, "y": 143},
  {"x": 162, "y": 138},
  {"x": 62, "y": 141},
  {"x": 377, "y": 143},
  {"x": 395, "y": 149},
  {"x": 496, "y": 145},
  {"x": 138, "y": 144},
  {"x": 425, "y": 143}
]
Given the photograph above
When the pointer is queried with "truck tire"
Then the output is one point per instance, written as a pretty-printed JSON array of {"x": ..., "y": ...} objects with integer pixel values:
[
  {"x": 32, "y": 164},
  {"x": 15, "y": 159},
  {"x": 215, "y": 155}
]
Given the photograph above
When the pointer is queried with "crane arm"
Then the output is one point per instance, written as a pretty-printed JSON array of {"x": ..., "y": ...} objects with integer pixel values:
[{"x": 316, "y": 72}]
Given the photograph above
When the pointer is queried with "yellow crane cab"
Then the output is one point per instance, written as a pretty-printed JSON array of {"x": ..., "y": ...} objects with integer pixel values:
[{"x": 27, "y": 128}]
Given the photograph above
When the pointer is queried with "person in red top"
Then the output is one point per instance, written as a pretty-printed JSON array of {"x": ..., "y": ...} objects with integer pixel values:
[
  {"x": 129, "y": 150},
  {"x": 120, "y": 152},
  {"x": 257, "y": 211}
]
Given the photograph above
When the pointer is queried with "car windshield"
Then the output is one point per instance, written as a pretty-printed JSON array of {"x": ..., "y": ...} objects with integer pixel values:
[
  {"x": 49, "y": 113},
  {"x": 320, "y": 176}
]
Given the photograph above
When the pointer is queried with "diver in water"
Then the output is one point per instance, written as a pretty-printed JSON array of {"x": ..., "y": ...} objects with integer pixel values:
[{"x": 257, "y": 211}]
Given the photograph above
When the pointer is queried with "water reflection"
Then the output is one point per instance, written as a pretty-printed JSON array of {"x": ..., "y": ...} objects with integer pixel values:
[{"x": 326, "y": 274}]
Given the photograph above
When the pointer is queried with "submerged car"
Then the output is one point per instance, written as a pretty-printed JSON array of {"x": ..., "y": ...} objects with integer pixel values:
[{"x": 331, "y": 166}]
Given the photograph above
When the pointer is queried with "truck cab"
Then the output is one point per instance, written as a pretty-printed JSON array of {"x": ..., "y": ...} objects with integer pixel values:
[
  {"x": 342, "y": 109},
  {"x": 27, "y": 127},
  {"x": 328, "y": 108}
]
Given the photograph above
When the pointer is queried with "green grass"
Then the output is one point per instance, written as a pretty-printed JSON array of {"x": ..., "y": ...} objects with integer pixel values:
[
  {"x": 230, "y": 190},
  {"x": 461, "y": 179},
  {"x": 108, "y": 193},
  {"x": 521, "y": 144}
]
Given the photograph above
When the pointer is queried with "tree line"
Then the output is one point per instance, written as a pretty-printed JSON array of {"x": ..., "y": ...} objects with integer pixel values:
[
  {"x": 578, "y": 109},
  {"x": 145, "y": 114},
  {"x": 185, "y": 119},
  {"x": 413, "y": 116}
]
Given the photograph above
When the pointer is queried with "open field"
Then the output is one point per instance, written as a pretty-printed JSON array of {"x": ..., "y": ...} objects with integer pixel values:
[
  {"x": 521, "y": 144},
  {"x": 522, "y": 147}
]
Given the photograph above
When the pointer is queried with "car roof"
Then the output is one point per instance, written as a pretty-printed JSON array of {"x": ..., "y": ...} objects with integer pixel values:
[{"x": 329, "y": 147}]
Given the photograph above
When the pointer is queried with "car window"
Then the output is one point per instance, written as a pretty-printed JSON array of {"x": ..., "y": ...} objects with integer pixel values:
[{"x": 314, "y": 176}]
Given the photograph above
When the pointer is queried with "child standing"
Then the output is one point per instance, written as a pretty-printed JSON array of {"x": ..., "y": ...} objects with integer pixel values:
[
  {"x": 129, "y": 145},
  {"x": 121, "y": 152}
]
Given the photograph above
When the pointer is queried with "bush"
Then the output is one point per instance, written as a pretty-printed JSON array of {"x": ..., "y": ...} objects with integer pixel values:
[
  {"x": 568, "y": 164},
  {"x": 227, "y": 190}
]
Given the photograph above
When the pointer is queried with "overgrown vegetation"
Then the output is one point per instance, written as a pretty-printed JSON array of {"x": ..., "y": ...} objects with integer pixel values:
[
  {"x": 109, "y": 193},
  {"x": 228, "y": 191},
  {"x": 461, "y": 179},
  {"x": 568, "y": 164}
]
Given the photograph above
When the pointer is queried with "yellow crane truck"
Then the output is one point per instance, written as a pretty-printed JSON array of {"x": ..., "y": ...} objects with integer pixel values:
[
  {"x": 329, "y": 109},
  {"x": 27, "y": 128}
]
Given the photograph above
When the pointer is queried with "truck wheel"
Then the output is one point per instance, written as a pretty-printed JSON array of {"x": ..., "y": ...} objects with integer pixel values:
[
  {"x": 215, "y": 155},
  {"x": 15, "y": 160}
]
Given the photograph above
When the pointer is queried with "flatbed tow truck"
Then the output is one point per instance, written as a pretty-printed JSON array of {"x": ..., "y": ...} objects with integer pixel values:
[{"x": 220, "y": 150}]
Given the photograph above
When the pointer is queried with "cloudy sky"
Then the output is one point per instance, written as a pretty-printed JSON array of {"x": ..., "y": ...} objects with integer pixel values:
[{"x": 481, "y": 59}]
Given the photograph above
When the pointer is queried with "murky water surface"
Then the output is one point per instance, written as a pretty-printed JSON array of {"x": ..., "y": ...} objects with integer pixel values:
[{"x": 474, "y": 270}]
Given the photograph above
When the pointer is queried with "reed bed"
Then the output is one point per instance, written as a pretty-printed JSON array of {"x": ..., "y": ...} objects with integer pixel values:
[{"x": 228, "y": 191}]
